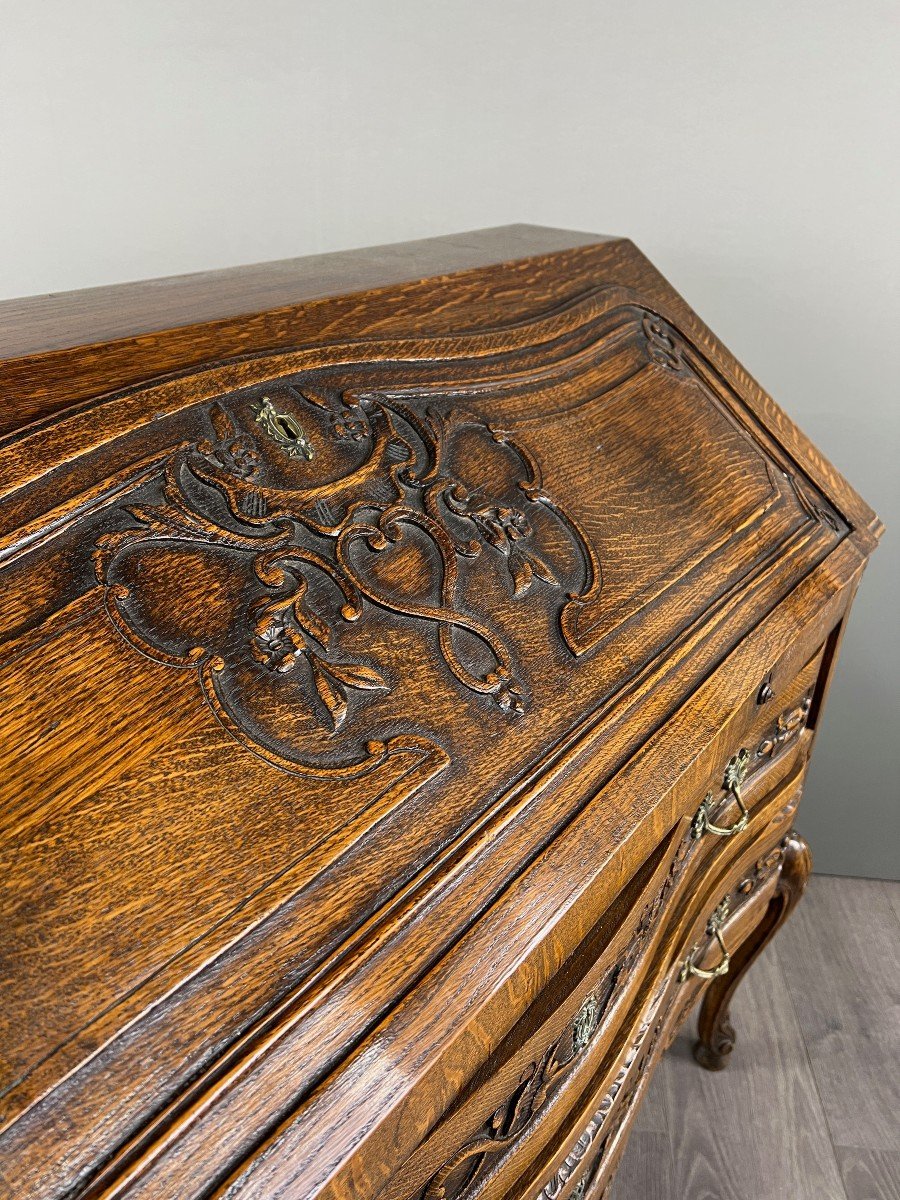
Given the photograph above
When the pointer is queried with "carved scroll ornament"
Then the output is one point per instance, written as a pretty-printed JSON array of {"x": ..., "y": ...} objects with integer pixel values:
[{"x": 249, "y": 568}]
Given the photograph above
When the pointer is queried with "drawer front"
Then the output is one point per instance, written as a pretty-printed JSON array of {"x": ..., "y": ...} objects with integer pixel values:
[
  {"x": 758, "y": 754},
  {"x": 518, "y": 1097},
  {"x": 720, "y": 909},
  {"x": 577, "y": 1057}
]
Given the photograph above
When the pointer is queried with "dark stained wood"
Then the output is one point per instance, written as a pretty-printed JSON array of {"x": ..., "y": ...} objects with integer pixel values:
[
  {"x": 38, "y": 324},
  {"x": 382, "y": 641},
  {"x": 62, "y": 348}
]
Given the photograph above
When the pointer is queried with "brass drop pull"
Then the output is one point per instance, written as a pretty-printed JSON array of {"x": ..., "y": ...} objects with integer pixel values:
[
  {"x": 714, "y": 929},
  {"x": 735, "y": 773}
]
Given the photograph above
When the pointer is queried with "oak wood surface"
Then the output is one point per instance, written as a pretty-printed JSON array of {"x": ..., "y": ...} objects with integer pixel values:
[
  {"x": 62, "y": 348},
  {"x": 36, "y": 324},
  {"x": 372, "y": 630}
]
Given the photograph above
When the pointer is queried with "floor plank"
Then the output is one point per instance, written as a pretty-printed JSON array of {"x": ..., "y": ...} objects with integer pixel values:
[
  {"x": 868, "y": 1174},
  {"x": 651, "y": 1115},
  {"x": 780, "y": 1122},
  {"x": 755, "y": 1131},
  {"x": 646, "y": 1169},
  {"x": 840, "y": 954}
]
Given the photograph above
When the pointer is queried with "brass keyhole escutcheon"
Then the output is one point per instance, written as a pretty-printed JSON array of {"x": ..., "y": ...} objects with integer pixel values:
[{"x": 283, "y": 429}]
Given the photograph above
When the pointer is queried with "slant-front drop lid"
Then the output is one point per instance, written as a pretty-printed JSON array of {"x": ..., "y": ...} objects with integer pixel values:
[{"x": 320, "y": 623}]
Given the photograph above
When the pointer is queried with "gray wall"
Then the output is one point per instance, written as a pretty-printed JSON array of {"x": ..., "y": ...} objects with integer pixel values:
[{"x": 750, "y": 149}]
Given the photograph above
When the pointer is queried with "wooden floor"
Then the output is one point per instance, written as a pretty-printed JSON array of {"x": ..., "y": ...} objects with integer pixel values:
[{"x": 809, "y": 1107}]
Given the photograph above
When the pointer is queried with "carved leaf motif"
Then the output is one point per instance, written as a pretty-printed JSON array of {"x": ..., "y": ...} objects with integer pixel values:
[
  {"x": 322, "y": 553},
  {"x": 526, "y": 567},
  {"x": 522, "y": 573},
  {"x": 332, "y": 696},
  {"x": 311, "y": 623},
  {"x": 357, "y": 676},
  {"x": 331, "y": 680}
]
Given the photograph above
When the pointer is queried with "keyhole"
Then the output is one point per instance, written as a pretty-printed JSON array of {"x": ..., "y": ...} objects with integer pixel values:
[{"x": 286, "y": 428}]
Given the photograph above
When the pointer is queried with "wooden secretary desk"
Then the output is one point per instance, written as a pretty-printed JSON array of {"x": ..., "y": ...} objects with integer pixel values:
[{"x": 409, "y": 663}]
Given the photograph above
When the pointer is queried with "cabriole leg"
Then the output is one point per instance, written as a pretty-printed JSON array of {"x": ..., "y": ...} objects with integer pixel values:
[{"x": 716, "y": 1033}]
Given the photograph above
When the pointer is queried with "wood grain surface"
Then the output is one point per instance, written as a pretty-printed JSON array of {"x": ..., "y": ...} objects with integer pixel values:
[
  {"x": 383, "y": 639},
  {"x": 846, "y": 993},
  {"x": 869, "y": 1174}
]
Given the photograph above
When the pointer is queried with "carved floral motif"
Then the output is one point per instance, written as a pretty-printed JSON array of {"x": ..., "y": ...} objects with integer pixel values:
[
  {"x": 463, "y": 1171},
  {"x": 292, "y": 559},
  {"x": 788, "y": 726}
]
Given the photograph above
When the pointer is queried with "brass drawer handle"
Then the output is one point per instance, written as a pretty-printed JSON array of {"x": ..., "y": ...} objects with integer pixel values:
[
  {"x": 714, "y": 928},
  {"x": 735, "y": 773}
]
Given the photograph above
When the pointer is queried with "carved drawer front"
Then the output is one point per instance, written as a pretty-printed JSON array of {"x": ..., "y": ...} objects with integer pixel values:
[
  {"x": 520, "y": 1093},
  {"x": 719, "y": 903},
  {"x": 773, "y": 736},
  {"x": 594, "y": 1024},
  {"x": 586, "y": 1159},
  {"x": 603, "y": 1116}
]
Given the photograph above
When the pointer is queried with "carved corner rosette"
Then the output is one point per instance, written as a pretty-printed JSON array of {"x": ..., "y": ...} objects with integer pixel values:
[{"x": 251, "y": 562}]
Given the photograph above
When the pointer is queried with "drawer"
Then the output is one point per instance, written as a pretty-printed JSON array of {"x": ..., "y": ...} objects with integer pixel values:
[
  {"x": 516, "y": 1100},
  {"x": 719, "y": 909},
  {"x": 584, "y": 1028},
  {"x": 773, "y": 735}
]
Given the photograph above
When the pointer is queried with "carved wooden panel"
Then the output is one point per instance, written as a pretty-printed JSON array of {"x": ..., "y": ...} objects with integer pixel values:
[
  {"x": 308, "y": 653},
  {"x": 418, "y": 493},
  {"x": 442, "y": 491},
  {"x": 508, "y": 521}
]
